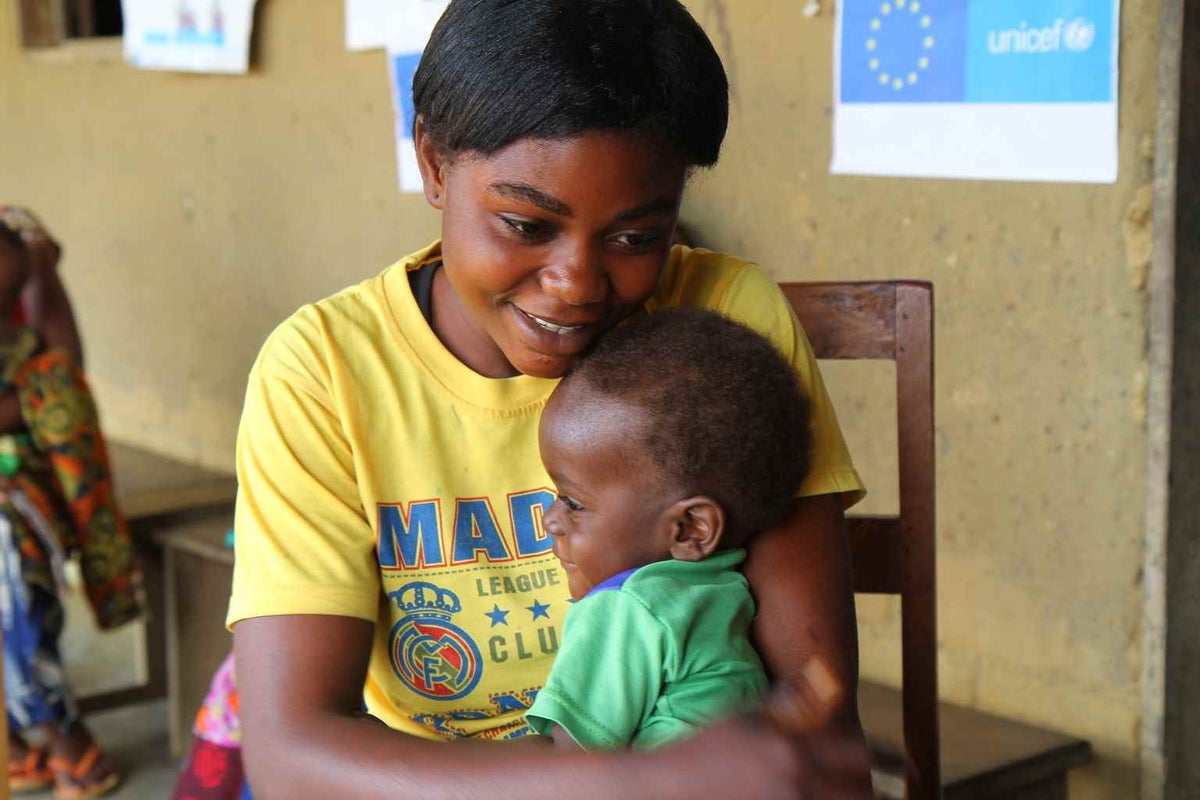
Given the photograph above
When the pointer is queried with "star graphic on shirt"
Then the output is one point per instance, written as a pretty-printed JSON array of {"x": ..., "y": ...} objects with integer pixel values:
[
  {"x": 497, "y": 615},
  {"x": 539, "y": 609}
]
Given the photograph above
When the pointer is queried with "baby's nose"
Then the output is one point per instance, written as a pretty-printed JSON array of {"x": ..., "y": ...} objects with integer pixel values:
[{"x": 551, "y": 519}]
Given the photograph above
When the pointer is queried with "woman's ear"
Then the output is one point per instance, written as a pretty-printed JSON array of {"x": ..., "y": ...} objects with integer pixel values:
[
  {"x": 696, "y": 524},
  {"x": 432, "y": 163}
]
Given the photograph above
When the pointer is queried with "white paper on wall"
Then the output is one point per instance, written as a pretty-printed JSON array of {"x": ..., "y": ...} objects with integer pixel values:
[
  {"x": 188, "y": 35},
  {"x": 366, "y": 24},
  {"x": 408, "y": 25}
]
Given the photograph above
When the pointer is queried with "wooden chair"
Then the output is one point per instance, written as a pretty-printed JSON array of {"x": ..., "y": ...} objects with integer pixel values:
[{"x": 893, "y": 320}]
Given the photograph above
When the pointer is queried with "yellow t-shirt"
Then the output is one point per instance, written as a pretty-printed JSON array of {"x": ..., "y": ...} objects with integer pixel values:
[{"x": 383, "y": 479}]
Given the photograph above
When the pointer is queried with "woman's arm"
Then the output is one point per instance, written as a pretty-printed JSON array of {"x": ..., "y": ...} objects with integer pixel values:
[
  {"x": 800, "y": 575},
  {"x": 300, "y": 681}
]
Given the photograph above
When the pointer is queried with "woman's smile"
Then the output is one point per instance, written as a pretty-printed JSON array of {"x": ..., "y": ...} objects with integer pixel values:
[
  {"x": 551, "y": 326},
  {"x": 588, "y": 252}
]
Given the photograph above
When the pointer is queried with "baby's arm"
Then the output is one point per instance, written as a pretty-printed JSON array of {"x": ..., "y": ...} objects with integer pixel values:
[{"x": 562, "y": 740}]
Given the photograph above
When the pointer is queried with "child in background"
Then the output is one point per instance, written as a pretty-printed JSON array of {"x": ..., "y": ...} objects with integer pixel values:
[{"x": 680, "y": 436}]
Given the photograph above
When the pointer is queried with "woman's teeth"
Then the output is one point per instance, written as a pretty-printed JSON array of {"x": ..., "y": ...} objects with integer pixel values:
[{"x": 550, "y": 326}]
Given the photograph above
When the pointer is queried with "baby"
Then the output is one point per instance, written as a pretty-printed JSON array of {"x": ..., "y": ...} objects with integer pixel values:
[{"x": 680, "y": 436}]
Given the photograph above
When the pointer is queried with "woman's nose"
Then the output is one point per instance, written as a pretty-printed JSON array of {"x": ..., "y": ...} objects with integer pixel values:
[{"x": 578, "y": 278}]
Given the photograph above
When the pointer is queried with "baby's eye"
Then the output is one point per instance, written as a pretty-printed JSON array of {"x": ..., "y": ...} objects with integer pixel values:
[{"x": 569, "y": 503}]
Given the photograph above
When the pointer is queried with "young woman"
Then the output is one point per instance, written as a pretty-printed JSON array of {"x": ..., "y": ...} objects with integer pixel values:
[{"x": 389, "y": 549}]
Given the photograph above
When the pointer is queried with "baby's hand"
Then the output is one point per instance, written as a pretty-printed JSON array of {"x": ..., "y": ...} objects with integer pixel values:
[{"x": 809, "y": 706}]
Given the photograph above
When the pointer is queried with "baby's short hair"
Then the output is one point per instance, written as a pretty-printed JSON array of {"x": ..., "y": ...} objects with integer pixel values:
[{"x": 725, "y": 413}]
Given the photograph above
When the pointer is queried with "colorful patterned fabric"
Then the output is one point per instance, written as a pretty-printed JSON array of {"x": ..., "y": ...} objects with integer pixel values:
[
  {"x": 211, "y": 772},
  {"x": 213, "y": 768},
  {"x": 64, "y": 427},
  {"x": 35, "y": 689},
  {"x": 217, "y": 721},
  {"x": 62, "y": 470}
]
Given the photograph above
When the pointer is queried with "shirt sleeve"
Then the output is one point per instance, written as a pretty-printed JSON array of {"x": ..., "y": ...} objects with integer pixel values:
[
  {"x": 608, "y": 675},
  {"x": 754, "y": 299},
  {"x": 303, "y": 543}
]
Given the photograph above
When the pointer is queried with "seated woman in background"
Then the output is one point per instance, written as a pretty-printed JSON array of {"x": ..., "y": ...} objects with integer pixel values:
[{"x": 55, "y": 501}]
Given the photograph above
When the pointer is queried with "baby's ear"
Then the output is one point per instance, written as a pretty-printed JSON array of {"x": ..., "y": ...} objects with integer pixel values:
[{"x": 697, "y": 524}]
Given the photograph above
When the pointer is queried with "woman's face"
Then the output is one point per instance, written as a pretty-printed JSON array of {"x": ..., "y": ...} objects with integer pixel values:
[{"x": 547, "y": 244}]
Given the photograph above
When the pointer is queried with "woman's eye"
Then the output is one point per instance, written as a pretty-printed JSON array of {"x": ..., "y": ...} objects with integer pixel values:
[
  {"x": 526, "y": 229},
  {"x": 636, "y": 240}
]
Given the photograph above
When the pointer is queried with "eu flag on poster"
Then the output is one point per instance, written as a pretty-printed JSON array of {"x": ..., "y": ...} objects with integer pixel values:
[
  {"x": 903, "y": 51},
  {"x": 977, "y": 51}
]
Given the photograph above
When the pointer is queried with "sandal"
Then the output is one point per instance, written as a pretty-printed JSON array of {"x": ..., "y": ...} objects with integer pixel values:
[
  {"x": 71, "y": 780},
  {"x": 30, "y": 773}
]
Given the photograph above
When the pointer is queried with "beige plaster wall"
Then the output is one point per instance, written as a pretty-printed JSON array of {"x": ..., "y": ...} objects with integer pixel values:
[{"x": 198, "y": 211}]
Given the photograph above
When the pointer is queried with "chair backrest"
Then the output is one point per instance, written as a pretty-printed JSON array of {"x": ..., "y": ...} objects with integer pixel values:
[{"x": 893, "y": 320}]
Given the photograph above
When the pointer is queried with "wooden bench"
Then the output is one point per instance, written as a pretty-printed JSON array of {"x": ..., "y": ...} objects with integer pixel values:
[
  {"x": 983, "y": 756},
  {"x": 198, "y": 569},
  {"x": 158, "y": 494},
  {"x": 150, "y": 486}
]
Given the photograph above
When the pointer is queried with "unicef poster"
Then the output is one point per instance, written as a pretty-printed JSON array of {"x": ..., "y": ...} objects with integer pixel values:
[
  {"x": 188, "y": 35},
  {"x": 990, "y": 89}
]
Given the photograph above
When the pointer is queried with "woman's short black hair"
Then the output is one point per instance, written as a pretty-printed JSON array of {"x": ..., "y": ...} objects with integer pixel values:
[
  {"x": 495, "y": 71},
  {"x": 724, "y": 413}
]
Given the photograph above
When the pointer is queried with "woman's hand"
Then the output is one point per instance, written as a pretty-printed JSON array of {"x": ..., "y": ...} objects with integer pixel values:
[{"x": 748, "y": 757}]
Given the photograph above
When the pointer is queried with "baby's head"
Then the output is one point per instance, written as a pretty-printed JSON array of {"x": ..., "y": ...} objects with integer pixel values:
[
  {"x": 681, "y": 433},
  {"x": 14, "y": 267}
]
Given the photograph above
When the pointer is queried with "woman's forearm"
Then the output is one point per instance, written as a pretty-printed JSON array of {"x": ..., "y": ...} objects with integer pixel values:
[
  {"x": 300, "y": 679},
  {"x": 333, "y": 756}
]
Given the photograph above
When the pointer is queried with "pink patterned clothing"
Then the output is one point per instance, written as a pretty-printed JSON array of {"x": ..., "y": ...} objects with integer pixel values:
[{"x": 217, "y": 721}]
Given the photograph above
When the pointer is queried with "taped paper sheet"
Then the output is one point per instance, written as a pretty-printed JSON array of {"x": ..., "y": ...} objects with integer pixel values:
[
  {"x": 366, "y": 24},
  {"x": 188, "y": 35},
  {"x": 409, "y": 23},
  {"x": 992, "y": 89}
]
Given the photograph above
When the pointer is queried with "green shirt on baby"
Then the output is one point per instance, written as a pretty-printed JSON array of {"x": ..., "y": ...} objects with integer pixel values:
[{"x": 652, "y": 654}]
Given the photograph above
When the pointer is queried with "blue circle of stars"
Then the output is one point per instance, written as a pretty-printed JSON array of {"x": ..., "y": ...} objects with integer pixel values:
[{"x": 895, "y": 77}]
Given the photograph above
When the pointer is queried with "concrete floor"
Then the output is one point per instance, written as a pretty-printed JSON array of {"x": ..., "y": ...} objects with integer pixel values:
[{"x": 135, "y": 738}]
